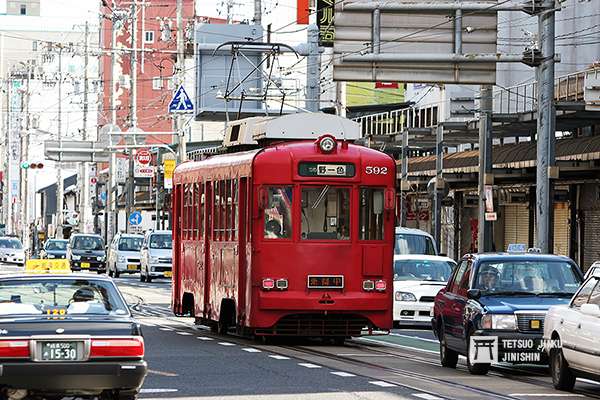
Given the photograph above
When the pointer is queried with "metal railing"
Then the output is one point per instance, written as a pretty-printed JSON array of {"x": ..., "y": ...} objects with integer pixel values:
[{"x": 397, "y": 121}]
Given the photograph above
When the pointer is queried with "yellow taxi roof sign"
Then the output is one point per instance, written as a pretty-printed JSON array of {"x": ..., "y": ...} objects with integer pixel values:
[{"x": 47, "y": 267}]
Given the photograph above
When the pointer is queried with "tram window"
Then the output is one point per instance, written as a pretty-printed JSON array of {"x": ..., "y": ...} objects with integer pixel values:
[
  {"x": 216, "y": 210},
  {"x": 371, "y": 214},
  {"x": 234, "y": 223},
  {"x": 201, "y": 209},
  {"x": 325, "y": 213},
  {"x": 278, "y": 213}
]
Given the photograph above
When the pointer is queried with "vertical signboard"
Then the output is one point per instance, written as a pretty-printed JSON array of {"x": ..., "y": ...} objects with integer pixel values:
[
  {"x": 302, "y": 12},
  {"x": 168, "y": 168},
  {"x": 325, "y": 22}
]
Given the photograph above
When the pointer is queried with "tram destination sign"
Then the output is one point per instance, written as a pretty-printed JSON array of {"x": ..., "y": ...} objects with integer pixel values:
[
  {"x": 325, "y": 281},
  {"x": 345, "y": 170}
]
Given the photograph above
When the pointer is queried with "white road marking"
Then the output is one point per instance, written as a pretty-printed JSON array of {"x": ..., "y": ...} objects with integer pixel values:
[
  {"x": 184, "y": 333},
  {"x": 204, "y": 338},
  {"x": 415, "y": 337},
  {"x": 226, "y": 344},
  {"x": 277, "y": 357},
  {"x": 382, "y": 384},
  {"x": 363, "y": 355},
  {"x": 380, "y": 342},
  {"x": 342, "y": 374},
  {"x": 158, "y": 390},
  {"x": 309, "y": 365},
  {"x": 546, "y": 395},
  {"x": 426, "y": 396},
  {"x": 252, "y": 350},
  {"x": 166, "y": 329}
]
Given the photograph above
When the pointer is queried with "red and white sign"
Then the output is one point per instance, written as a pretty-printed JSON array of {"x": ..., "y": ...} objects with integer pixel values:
[{"x": 142, "y": 167}]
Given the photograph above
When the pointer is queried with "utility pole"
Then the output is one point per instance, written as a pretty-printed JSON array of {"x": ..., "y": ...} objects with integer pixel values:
[
  {"x": 340, "y": 98},
  {"x": 84, "y": 185},
  {"x": 439, "y": 185},
  {"x": 133, "y": 111},
  {"x": 24, "y": 158},
  {"x": 59, "y": 182},
  {"x": 546, "y": 164},
  {"x": 111, "y": 184},
  {"x": 257, "y": 12},
  {"x": 180, "y": 137},
  {"x": 486, "y": 104},
  {"x": 313, "y": 91}
]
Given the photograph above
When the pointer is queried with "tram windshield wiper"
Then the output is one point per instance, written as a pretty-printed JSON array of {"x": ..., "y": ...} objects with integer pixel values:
[{"x": 320, "y": 197}]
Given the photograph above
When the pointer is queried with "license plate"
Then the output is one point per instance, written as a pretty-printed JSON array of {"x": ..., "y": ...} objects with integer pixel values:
[
  {"x": 85, "y": 265},
  {"x": 59, "y": 351},
  {"x": 325, "y": 281},
  {"x": 132, "y": 267},
  {"x": 168, "y": 274},
  {"x": 535, "y": 324}
]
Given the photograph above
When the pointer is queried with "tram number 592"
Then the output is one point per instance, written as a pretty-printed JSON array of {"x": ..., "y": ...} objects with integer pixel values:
[{"x": 371, "y": 170}]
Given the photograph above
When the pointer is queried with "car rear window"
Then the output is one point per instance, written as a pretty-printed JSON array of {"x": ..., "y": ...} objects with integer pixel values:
[{"x": 65, "y": 296}]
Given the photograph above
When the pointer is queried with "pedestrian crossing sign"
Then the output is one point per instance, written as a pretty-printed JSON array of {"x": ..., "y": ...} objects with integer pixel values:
[{"x": 181, "y": 102}]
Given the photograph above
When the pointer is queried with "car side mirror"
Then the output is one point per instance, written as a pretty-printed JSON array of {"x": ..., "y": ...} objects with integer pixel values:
[
  {"x": 473, "y": 294},
  {"x": 591, "y": 310}
]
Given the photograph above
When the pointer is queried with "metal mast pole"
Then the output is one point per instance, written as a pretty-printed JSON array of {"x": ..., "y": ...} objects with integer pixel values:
[
  {"x": 257, "y": 12},
  {"x": 484, "y": 232},
  {"x": 313, "y": 63},
  {"x": 24, "y": 158},
  {"x": 546, "y": 169},
  {"x": 133, "y": 106},
  {"x": 180, "y": 137},
  {"x": 84, "y": 179},
  {"x": 59, "y": 183}
]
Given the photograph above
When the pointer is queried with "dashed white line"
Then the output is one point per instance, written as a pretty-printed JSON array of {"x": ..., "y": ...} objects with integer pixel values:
[
  {"x": 277, "y": 357},
  {"x": 426, "y": 396},
  {"x": 309, "y": 365},
  {"x": 342, "y": 374},
  {"x": 166, "y": 329},
  {"x": 226, "y": 344},
  {"x": 184, "y": 333},
  {"x": 382, "y": 384},
  {"x": 158, "y": 390},
  {"x": 252, "y": 350},
  {"x": 204, "y": 338}
]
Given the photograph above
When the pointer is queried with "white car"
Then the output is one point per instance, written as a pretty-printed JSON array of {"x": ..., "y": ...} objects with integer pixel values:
[
  {"x": 124, "y": 254},
  {"x": 593, "y": 268},
  {"x": 413, "y": 241},
  {"x": 11, "y": 251},
  {"x": 417, "y": 280},
  {"x": 574, "y": 334},
  {"x": 156, "y": 256}
]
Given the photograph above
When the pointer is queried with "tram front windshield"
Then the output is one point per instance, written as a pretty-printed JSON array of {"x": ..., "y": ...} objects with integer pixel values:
[{"x": 325, "y": 213}]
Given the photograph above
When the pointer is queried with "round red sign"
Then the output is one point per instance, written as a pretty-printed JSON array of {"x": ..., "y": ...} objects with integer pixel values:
[{"x": 143, "y": 157}]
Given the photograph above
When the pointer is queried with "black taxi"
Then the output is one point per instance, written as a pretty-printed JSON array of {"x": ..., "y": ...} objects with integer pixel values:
[
  {"x": 492, "y": 309},
  {"x": 68, "y": 335}
]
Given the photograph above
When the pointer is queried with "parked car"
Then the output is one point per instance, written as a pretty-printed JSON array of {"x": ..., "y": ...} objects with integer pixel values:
[
  {"x": 54, "y": 248},
  {"x": 414, "y": 241},
  {"x": 504, "y": 297},
  {"x": 87, "y": 252},
  {"x": 68, "y": 335},
  {"x": 124, "y": 254},
  {"x": 417, "y": 280},
  {"x": 593, "y": 268},
  {"x": 11, "y": 250},
  {"x": 157, "y": 256},
  {"x": 573, "y": 332}
]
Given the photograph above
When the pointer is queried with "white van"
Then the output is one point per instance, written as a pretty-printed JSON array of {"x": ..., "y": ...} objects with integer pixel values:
[{"x": 414, "y": 241}]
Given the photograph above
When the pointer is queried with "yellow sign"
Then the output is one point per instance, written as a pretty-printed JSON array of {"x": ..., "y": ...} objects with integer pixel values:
[
  {"x": 47, "y": 267},
  {"x": 168, "y": 168}
]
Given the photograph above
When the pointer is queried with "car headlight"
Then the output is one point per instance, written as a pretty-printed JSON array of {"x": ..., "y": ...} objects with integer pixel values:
[
  {"x": 499, "y": 321},
  {"x": 100, "y": 258},
  {"x": 121, "y": 259},
  {"x": 405, "y": 296},
  {"x": 75, "y": 257},
  {"x": 153, "y": 260},
  {"x": 51, "y": 256}
]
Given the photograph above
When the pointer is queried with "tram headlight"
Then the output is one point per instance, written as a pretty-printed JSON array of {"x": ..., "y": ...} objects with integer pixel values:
[{"x": 327, "y": 144}]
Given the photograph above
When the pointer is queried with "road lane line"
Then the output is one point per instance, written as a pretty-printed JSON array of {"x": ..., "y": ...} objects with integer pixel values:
[
  {"x": 426, "y": 396},
  {"x": 277, "y": 357},
  {"x": 183, "y": 333},
  {"x": 252, "y": 350},
  {"x": 162, "y": 373},
  {"x": 309, "y": 365},
  {"x": 204, "y": 338},
  {"x": 415, "y": 337},
  {"x": 158, "y": 390},
  {"x": 342, "y": 374},
  {"x": 380, "y": 342},
  {"x": 166, "y": 329},
  {"x": 226, "y": 344},
  {"x": 382, "y": 384}
]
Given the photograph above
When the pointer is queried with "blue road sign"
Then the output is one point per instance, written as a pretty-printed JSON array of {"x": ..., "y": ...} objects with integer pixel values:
[
  {"x": 135, "y": 218},
  {"x": 181, "y": 102},
  {"x": 103, "y": 196}
]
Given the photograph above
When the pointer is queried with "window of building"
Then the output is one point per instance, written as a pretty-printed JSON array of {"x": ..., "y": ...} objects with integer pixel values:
[
  {"x": 23, "y": 9},
  {"x": 34, "y": 45},
  {"x": 325, "y": 213},
  {"x": 278, "y": 213},
  {"x": 371, "y": 214},
  {"x": 157, "y": 83},
  {"x": 148, "y": 36}
]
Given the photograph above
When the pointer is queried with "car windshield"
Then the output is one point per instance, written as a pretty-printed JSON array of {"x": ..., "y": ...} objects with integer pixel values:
[
  {"x": 130, "y": 243},
  {"x": 56, "y": 245},
  {"x": 414, "y": 244},
  {"x": 10, "y": 244},
  {"x": 530, "y": 277},
  {"x": 88, "y": 243},
  {"x": 423, "y": 270},
  {"x": 161, "y": 241},
  {"x": 60, "y": 296}
]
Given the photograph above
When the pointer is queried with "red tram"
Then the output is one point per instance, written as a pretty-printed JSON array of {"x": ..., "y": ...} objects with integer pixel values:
[{"x": 294, "y": 238}]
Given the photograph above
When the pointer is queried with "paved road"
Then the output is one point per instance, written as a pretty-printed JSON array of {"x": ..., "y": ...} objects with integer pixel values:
[{"x": 190, "y": 361}]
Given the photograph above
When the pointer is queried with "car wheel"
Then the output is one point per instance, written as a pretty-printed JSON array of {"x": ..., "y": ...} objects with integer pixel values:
[
  {"x": 562, "y": 377},
  {"x": 475, "y": 369},
  {"x": 448, "y": 357}
]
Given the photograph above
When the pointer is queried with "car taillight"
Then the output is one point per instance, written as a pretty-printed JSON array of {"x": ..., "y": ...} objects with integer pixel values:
[
  {"x": 14, "y": 349},
  {"x": 126, "y": 348},
  {"x": 380, "y": 285},
  {"x": 268, "y": 284},
  {"x": 368, "y": 285}
]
